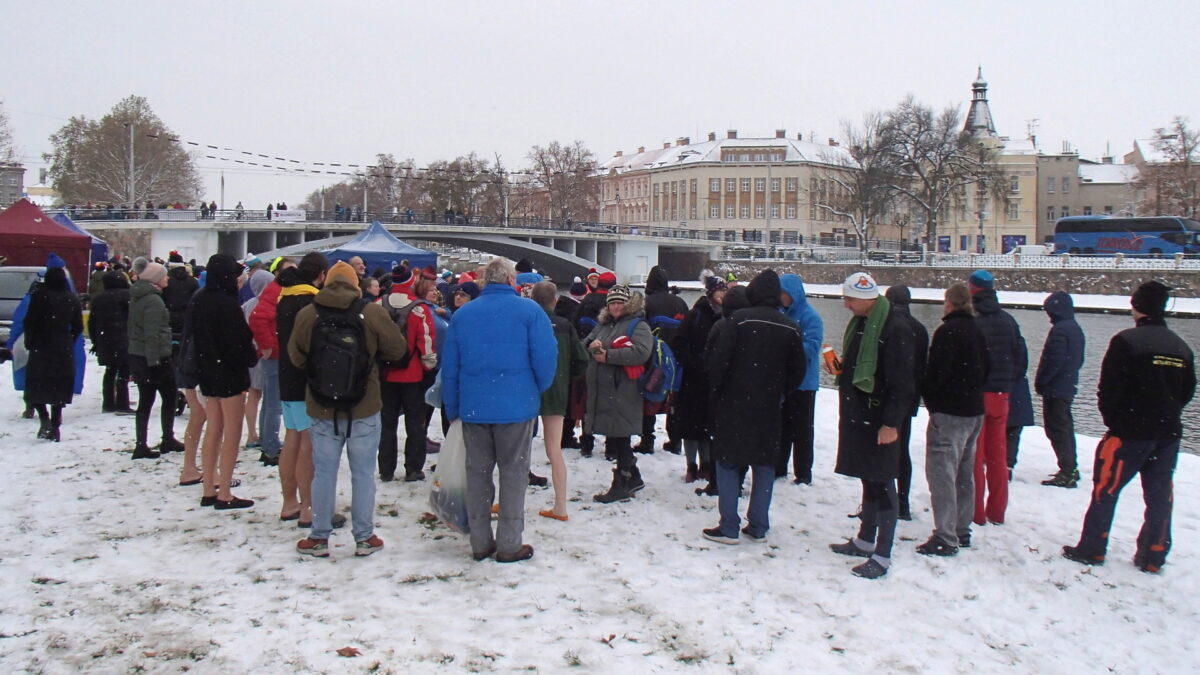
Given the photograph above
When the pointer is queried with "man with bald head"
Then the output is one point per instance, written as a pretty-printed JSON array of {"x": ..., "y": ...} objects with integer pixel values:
[{"x": 360, "y": 267}]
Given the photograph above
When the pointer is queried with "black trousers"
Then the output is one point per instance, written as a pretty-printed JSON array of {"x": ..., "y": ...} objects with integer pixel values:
[
  {"x": 799, "y": 409},
  {"x": 879, "y": 514},
  {"x": 904, "y": 477},
  {"x": 407, "y": 399},
  {"x": 620, "y": 445},
  {"x": 115, "y": 391},
  {"x": 152, "y": 381},
  {"x": 1060, "y": 429}
]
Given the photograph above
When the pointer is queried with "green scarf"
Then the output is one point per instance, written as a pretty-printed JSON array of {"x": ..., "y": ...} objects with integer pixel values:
[{"x": 868, "y": 351}]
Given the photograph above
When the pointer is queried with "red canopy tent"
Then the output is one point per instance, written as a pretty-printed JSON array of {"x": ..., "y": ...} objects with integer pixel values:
[{"x": 28, "y": 236}]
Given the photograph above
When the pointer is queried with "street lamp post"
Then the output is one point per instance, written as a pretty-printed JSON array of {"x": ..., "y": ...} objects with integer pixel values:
[{"x": 981, "y": 194}]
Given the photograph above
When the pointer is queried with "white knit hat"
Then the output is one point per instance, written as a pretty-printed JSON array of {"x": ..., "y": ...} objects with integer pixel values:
[{"x": 860, "y": 285}]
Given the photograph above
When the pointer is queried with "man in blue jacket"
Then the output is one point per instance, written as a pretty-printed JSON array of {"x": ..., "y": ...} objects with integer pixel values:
[
  {"x": 499, "y": 356},
  {"x": 799, "y": 406},
  {"x": 1056, "y": 380}
]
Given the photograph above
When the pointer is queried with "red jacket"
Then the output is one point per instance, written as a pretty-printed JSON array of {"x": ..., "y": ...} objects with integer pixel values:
[
  {"x": 419, "y": 332},
  {"x": 262, "y": 321}
]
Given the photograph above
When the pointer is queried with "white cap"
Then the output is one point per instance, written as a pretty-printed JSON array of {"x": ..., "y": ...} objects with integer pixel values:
[{"x": 860, "y": 285}]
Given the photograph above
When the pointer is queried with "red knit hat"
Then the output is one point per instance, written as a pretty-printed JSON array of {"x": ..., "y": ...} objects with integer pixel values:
[{"x": 608, "y": 280}]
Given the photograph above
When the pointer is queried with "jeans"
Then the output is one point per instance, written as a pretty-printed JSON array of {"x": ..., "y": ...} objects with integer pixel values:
[
  {"x": 950, "y": 469},
  {"x": 361, "y": 440},
  {"x": 729, "y": 483},
  {"x": 489, "y": 446},
  {"x": 991, "y": 460},
  {"x": 270, "y": 409},
  {"x": 1060, "y": 429}
]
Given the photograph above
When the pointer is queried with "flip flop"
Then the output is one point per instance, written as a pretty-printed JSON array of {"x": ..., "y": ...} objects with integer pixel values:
[
  {"x": 196, "y": 481},
  {"x": 549, "y": 513}
]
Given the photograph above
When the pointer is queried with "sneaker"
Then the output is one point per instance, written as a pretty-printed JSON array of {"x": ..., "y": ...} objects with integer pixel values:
[
  {"x": 871, "y": 569},
  {"x": 317, "y": 548},
  {"x": 936, "y": 546},
  {"x": 714, "y": 534},
  {"x": 523, "y": 553},
  {"x": 753, "y": 538},
  {"x": 144, "y": 452},
  {"x": 414, "y": 476},
  {"x": 802, "y": 481},
  {"x": 367, "y": 546},
  {"x": 1077, "y": 554},
  {"x": 1063, "y": 479},
  {"x": 235, "y": 503},
  {"x": 125, "y": 412},
  {"x": 851, "y": 549}
]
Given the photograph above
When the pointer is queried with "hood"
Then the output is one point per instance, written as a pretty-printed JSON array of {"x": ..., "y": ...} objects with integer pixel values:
[
  {"x": 900, "y": 297},
  {"x": 141, "y": 289},
  {"x": 985, "y": 301},
  {"x": 115, "y": 280},
  {"x": 337, "y": 294},
  {"x": 737, "y": 298},
  {"x": 635, "y": 306},
  {"x": 291, "y": 277},
  {"x": 259, "y": 280},
  {"x": 764, "y": 289},
  {"x": 223, "y": 273},
  {"x": 178, "y": 273},
  {"x": 657, "y": 280},
  {"x": 1059, "y": 306},
  {"x": 794, "y": 286},
  {"x": 55, "y": 279}
]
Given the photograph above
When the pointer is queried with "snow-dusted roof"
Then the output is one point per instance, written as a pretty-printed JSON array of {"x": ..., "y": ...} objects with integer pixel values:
[
  {"x": 710, "y": 151},
  {"x": 1107, "y": 173},
  {"x": 1152, "y": 155},
  {"x": 1018, "y": 146}
]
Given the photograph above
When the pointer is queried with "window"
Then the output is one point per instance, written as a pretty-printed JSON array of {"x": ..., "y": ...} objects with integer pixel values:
[
  {"x": 731, "y": 185},
  {"x": 656, "y": 189},
  {"x": 730, "y": 235},
  {"x": 774, "y": 210},
  {"x": 745, "y": 185},
  {"x": 1087, "y": 210},
  {"x": 1014, "y": 210},
  {"x": 1050, "y": 213},
  {"x": 791, "y": 211},
  {"x": 12, "y": 181},
  {"x": 1050, "y": 184},
  {"x": 714, "y": 185},
  {"x": 674, "y": 188},
  {"x": 714, "y": 235},
  {"x": 1066, "y": 211},
  {"x": 693, "y": 186},
  {"x": 745, "y": 157},
  {"x": 791, "y": 185},
  {"x": 714, "y": 211},
  {"x": 759, "y": 211},
  {"x": 1014, "y": 183},
  {"x": 1108, "y": 210},
  {"x": 1066, "y": 184},
  {"x": 729, "y": 212},
  {"x": 746, "y": 211},
  {"x": 775, "y": 185},
  {"x": 693, "y": 212},
  {"x": 760, "y": 184}
]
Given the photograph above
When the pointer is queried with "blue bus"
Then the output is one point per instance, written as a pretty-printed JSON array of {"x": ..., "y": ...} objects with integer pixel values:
[{"x": 1144, "y": 236}]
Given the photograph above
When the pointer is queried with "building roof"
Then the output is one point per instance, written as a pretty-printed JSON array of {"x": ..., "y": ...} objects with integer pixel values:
[
  {"x": 795, "y": 151},
  {"x": 1150, "y": 154},
  {"x": 1097, "y": 174},
  {"x": 1018, "y": 146}
]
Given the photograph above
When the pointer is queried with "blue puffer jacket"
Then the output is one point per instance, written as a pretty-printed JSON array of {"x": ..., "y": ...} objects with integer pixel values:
[
  {"x": 1062, "y": 356},
  {"x": 1006, "y": 349},
  {"x": 499, "y": 356},
  {"x": 812, "y": 330}
]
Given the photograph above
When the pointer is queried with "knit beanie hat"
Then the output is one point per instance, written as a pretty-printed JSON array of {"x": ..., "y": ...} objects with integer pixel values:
[
  {"x": 982, "y": 279},
  {"x": 401, "y": 274},
  {"x": 860, "y": 285},
  {"x": 154, "y": 273},
  {"x": 608, "y": 280},
  {"x": 617, "y": 294},
  {"x": 578, "y": 289},
  {"x": 470, "y": 288},
  {"x": 593, "y": 273},
  {"x": 714, "y": 284},
  {"x": 523, "y": 265},
  {"x": 429, "y": 272},
  {"x": 899, "y": 295},
  {"x": 343, "y": 272},
  {"x": 1151, "y": 298}
]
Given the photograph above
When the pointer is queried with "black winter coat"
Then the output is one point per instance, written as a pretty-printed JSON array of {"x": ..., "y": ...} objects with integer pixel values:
[
  {"x": 108, "y": 326},
  {"x": 920, "y": 346},
  {"x": 1062, "y": 355},
  {"x": 957, "y": 367},
  {"x": 691, "y": 402},
  {"x": 178, "y": 293},
  {"x": 1006, "y": 348},
  {"x": 295, "y": 296},
  {"x": 1147, "y": 377},
  {"x": 752, "y": 365},
  {"x": 664, "y": 309},
  {"x": 52, "y": 324},
  {"x": 587, "y": 315},
  {"x": 860, "y": 415},
  {"x": 220, "y": 336}
]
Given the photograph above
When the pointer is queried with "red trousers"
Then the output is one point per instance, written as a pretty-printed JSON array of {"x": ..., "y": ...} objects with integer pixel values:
[{"x": 991, "y": 460}]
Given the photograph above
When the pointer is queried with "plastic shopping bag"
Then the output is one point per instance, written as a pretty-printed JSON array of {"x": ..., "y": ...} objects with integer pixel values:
[{"x": 448, "y": 496}]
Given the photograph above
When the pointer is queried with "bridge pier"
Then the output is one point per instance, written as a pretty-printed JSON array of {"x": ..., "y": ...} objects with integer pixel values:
[
  {"x": 258, "y": 241},
  {"x": 232, "y": 243},
  {"x": 316, "y": 235}
]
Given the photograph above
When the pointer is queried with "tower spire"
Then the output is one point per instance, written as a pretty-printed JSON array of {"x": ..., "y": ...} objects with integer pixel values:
[{"x": 979, "y": 117}]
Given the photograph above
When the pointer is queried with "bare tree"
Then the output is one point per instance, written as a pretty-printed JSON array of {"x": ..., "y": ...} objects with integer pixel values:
[
  {"x": 8, "y": 150},
  {"x": 858, "y": 188},
  {"x": 938, "y": 160},
  {"x": 1172, "y": 184},
  {"x": 91, "y": 159},
  {"x": 568, "y": 175}
]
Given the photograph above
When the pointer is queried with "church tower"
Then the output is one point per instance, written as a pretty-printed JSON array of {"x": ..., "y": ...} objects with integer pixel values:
[{"x": 979, "y": 118}]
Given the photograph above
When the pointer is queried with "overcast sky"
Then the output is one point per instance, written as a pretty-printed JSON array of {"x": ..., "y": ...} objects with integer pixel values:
[{"x": 432, "y": 80}]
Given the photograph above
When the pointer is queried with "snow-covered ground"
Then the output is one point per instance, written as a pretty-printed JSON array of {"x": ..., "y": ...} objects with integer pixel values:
[{"x": 108, "y": 566}]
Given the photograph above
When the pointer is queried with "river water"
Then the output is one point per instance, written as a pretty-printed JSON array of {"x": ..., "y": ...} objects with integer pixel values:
[{"x": 1098, "y": 329}]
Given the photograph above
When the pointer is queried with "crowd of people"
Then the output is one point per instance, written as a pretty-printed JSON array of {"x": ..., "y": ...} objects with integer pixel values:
[{"x": 336, "y": 356}]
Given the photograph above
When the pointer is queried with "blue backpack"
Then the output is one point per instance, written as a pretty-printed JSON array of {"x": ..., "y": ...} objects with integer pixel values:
[{"x": 663, "y": 373}]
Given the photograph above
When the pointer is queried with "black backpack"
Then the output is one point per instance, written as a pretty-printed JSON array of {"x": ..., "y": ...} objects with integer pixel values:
[{"x": 339, "y": 364}]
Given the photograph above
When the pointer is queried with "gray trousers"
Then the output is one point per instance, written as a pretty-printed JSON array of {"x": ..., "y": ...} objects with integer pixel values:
[
  {"x": 489, "y": 446},
  {"x": 950, "y": 469}
]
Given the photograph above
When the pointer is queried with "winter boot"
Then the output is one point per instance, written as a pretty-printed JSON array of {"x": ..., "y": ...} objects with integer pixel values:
[
  {"x": 144, "y": 452},
  {"x": 44, "y": 425},
  {"x": 634, "y": 483},
  {"x": 689, "y": 476},
  {"x": 587, "y": 443},
  {"x": 1063, "y": 479},
  {"x": 619, "y": 491},
  {"x": 645, "y": 447},
  {"x": 674, "y": 447}
]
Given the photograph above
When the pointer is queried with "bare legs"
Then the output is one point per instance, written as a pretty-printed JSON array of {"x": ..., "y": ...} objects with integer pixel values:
[
  {"x": 253, "y": 396},
  {"x": 191, "y": 436},
  {"x": 221, "y": 443},
  {"x": 552, "y": 426},
  {"x": 296, "y": 474}
]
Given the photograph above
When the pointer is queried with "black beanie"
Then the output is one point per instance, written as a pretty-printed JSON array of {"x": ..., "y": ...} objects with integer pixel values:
[{"x": 1151, "y": 298}]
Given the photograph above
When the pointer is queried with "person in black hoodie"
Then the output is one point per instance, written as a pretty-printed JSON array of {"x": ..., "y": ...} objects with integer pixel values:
[
  {"x": 108, "y": 327},
  {"x": 752, "y": 365},
  {"x": 181, "y": 286},
  {"x": 901, "y": 297},
  {"x": 952, "y": 385},
  {"x": 1056, "y": 380},
  {"x": 225, "y": 349},
  {"x": 691, "y": 403},
  {"x": 52, "y": 324},
  {"x": 664, "y": 312},
  {"x": 1147, "y": 377},
  {"x": 735, "y": 299}
]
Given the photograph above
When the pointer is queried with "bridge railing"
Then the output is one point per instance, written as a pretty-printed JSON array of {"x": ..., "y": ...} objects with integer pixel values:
[{"x": 890, "y": 258}]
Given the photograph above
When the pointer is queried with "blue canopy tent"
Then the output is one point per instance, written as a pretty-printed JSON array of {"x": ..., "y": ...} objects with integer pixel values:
[
  {"x": 99, "y": 246},
  {"x": 378, "y": 248}
]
